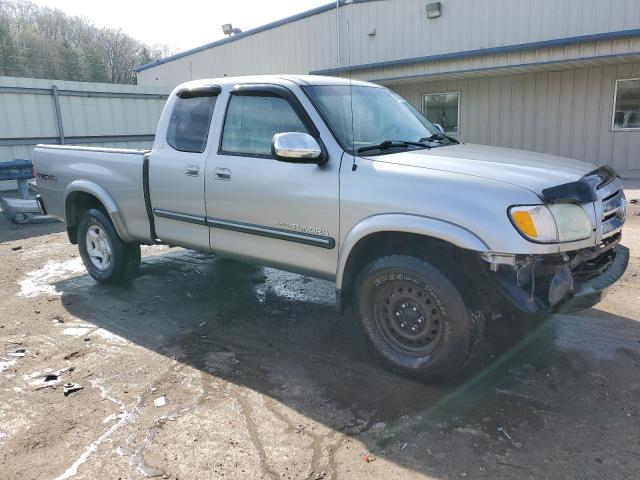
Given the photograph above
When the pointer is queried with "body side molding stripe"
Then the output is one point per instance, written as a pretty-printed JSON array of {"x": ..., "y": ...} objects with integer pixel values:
[
  {"x": 281, "y": 234},
  {"x": 278, "y": 233},
  {"x": 183, "y": 217}
]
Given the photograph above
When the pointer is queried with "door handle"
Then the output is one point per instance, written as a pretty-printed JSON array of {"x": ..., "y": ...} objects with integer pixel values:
[
  {"x": 222, "y": 174},
  {"x": 192, "y": 170}
]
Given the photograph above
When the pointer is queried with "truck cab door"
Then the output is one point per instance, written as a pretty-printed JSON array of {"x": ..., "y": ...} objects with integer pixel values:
[
  {"x": 177, "y": 166},
  {"x": 264, "y": 210}
]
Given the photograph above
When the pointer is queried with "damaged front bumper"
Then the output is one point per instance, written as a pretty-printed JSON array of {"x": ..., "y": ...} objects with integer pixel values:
[{"x": 558, "y": 283}]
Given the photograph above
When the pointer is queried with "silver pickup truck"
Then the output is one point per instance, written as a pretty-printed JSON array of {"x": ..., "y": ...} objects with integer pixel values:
[{"x": 423, "y": 235}]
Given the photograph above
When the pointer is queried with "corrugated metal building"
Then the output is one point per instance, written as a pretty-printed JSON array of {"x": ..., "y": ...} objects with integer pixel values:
[{"x": 556, "y": 76}]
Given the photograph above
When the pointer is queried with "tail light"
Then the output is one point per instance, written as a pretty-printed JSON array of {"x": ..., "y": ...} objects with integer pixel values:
[{"x": 33, "y": 170}]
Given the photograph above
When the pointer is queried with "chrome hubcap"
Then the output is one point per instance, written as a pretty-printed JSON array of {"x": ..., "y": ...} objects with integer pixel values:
[{"x": 98, "y": 247}]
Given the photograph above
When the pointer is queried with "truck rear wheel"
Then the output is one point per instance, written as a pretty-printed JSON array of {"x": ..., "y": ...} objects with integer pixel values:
[
  {"x": 106, "y": 257},
  {"x": 415, "y": 317}
]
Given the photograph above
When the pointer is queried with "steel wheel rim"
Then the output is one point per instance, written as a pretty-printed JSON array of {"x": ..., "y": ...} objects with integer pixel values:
[
  {"x": 98, "y": 247},
  {"x": 409, "y": 319}
]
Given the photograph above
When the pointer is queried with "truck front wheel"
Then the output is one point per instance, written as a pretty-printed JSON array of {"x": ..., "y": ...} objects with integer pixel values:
[
  {"x": 415, "y": 317},
  {"x": 105, "y": 256}
]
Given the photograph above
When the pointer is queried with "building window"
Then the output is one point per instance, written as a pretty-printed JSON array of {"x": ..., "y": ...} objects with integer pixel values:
[
  {"x": 626, "y": 111},
  {"x": 443, "y": 109}
]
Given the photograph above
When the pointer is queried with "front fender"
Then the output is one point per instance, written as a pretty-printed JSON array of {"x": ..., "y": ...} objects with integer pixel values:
[
  {"x": 417, "y": 224},
  {"x": 91, "y": 188}
]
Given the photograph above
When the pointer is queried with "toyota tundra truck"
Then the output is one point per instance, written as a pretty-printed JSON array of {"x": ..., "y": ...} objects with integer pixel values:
[{"x": 423, "y": 235}]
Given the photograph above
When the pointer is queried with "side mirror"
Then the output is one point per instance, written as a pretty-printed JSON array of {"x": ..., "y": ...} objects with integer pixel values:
[
  {"x": 439, "y": 128},
  {"x": 297, "y": 147}
]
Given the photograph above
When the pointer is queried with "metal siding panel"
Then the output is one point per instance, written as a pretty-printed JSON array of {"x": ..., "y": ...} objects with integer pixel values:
[
  {"x": 579, "y": 112},
  {"x": 494, "y": 110},
  {"x": 516, "y": 127},
  {"x": 528, "y": 127},
  {"x": 482, "y": 125},
  {"x": 605, "y": 143},
  {"x": 552, "y": 127},
  {"x": 591, "y": 120},
  {"x": 473, "y": 94},
  {"x": 540, "y": 112},
  {"x": 566, "y": 113}
]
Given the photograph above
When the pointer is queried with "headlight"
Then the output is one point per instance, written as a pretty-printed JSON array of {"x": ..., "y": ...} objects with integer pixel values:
[{"x": 553, "y": 223}]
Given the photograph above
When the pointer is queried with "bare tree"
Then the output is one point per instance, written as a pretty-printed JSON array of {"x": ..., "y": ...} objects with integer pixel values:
[{"x": 47, "y": 43}]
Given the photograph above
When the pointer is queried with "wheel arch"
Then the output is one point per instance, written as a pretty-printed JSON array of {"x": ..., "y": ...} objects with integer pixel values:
[
  {"x": 80, "y": 195},
  {"x": 385, "y": 234}
]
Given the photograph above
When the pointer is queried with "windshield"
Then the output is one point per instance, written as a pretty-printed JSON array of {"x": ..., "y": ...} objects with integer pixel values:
[{"x": 379, "y": 116}]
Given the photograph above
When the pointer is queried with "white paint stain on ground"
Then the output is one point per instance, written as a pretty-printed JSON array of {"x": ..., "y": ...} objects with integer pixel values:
[
  {"x": 6, "y": 364},
  {"x": 42, "y": 281},
  {"x": 107, "y": 335},
  {"x": 76, "y": 331},
  {"x": 126, "y": 416}
]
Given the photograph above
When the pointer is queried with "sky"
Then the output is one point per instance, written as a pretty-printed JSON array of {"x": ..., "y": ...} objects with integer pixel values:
[{"x": 181, "y": 24}]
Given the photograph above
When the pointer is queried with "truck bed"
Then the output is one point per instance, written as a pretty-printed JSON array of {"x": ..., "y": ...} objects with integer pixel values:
[{"x": 115, "y": 173}]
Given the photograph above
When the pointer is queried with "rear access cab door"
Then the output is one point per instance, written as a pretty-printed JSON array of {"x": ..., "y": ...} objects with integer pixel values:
[
  {"x": 262, "y": 209},
  {"x": 177, "y": 167}
]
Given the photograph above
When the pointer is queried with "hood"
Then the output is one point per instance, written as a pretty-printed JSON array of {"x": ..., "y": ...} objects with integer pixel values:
[{"x": 531, "y": 170}]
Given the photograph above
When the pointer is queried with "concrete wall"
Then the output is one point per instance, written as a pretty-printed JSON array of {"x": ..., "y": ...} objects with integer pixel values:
[
  {"x": 92, "y": 114},
  {"x": 564, "y": 113}
]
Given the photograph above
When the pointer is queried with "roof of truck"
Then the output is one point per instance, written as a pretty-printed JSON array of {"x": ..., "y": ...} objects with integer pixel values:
[{"x": 277, "y": 79}]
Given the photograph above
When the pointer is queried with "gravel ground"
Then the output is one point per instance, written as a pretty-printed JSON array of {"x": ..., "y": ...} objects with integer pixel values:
[{"x": 204, "y": 368}]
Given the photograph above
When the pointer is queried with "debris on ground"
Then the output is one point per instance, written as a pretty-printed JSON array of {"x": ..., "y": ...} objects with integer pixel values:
[
  {"x": 634, "y": 201},
  {"x": 368, "y": 457},
  {"x": 160, "y": 401},
  {"x": 513, "y": 442},
  {"x": 15, "y": 248},
  {"x": 70, "y": 388},
  {"x": 20, "y": 352},
  {"x": 404, "y": 446},
  {"x": 202, "y": 324}
]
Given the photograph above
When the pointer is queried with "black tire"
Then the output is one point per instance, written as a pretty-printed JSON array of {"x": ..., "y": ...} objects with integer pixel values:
[
  {"x": 416, "y": 318},
  {"x": 124, "y": 259}
]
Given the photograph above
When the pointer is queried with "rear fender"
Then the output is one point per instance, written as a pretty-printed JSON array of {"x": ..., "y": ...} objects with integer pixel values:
[{"x": 110, "y": 206}]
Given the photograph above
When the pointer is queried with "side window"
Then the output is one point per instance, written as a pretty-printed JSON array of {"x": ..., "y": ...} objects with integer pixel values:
[
  {"x": 252, "y": 121},
  {"x": 189, "y": 123}
]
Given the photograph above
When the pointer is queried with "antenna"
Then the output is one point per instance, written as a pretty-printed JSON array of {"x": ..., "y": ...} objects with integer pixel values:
[{"x": 354, "y": 165}]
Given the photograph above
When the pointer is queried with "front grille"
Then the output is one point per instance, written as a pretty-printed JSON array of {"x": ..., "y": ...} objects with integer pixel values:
[{"x": 614, "y": 206}]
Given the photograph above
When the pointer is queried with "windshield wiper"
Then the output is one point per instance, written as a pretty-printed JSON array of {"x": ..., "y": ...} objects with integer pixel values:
[
  {"x": 387, "y": 144},
  {"x": 438, "y": 136}
]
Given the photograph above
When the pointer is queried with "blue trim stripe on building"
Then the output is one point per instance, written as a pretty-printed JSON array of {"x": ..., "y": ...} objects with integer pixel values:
[
  {"x": 248, "y": 33},
  {"x": 557, "y": 42}
]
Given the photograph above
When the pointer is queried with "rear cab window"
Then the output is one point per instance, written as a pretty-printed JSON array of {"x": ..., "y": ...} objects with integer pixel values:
[{"x": 188, "y": 128}]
